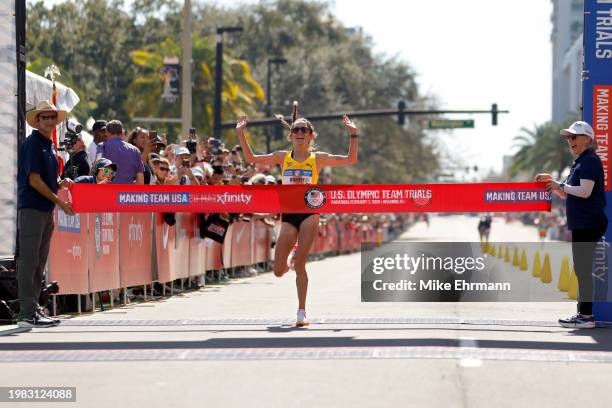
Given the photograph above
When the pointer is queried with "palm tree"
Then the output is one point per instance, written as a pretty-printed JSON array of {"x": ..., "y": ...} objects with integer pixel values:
[
  {"x": 540, "y": 150},
  {"x": 239, "y": 94}
]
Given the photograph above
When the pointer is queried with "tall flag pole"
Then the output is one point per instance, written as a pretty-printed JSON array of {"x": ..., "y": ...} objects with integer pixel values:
[{"x": 51, "y": 71}]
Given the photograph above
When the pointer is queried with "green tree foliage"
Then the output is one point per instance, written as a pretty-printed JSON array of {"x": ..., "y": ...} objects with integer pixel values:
[
  {"x": 541, "y": 150},
  {"x": 333, "y": 68},
  {"x": 240, "y": 90},
  {"x": 88, "y": 41},
  {"x": 110, "y": 54}
]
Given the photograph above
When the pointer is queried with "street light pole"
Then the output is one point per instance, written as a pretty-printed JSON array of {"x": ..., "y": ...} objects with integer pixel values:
[
  {"x": 219, "y": 77},
  {"x": 271, "y": 61},
  {"x": 186, "y": 105}
]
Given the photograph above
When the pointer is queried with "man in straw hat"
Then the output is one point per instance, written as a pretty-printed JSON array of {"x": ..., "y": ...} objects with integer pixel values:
[{"x": 37, "y": 185}]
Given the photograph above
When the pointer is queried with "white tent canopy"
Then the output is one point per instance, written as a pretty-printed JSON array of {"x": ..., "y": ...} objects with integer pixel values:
[{"x": 39, "y": 88}]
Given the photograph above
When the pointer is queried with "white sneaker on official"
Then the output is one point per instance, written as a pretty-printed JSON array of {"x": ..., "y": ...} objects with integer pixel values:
[
  {"x": 578, "y": 321},
  {"x": 301, "y": 320}
]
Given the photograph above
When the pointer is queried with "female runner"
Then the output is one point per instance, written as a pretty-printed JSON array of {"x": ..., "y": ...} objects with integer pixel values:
[{"x": 299, "y": 166}]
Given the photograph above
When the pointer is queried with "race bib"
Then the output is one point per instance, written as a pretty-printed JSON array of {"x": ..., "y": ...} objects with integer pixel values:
[{"x": 297, "y": 176}]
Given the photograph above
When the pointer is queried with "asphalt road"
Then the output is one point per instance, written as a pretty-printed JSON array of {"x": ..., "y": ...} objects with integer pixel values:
[{"x": 234, "y": 345}]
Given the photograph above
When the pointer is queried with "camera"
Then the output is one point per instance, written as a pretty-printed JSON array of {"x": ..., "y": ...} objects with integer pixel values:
[
  {"x": 192, "y": 143},
  {"x": 72, "y": 135},
  {"x": 74, "y": 126},
  {"x": 214, "y": 146}
]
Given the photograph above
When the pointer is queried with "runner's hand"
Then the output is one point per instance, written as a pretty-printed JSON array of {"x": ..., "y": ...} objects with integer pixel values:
[
  {"x": 349, "y": 124},
  {"x": 242, "y": 123}
]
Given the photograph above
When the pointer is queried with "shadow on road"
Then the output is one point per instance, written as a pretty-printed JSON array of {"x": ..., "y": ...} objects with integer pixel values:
[{"x": 603, "y": 343}]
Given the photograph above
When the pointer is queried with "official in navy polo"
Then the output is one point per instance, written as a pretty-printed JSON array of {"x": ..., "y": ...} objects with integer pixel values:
[{"x": 585, "y": 203}]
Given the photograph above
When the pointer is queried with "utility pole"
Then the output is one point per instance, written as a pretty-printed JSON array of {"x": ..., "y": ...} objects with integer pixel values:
[
  {"x": 186, "y": 87},
  {"x": 276, "y": 61},
  {"x": 219, "y": 77}
]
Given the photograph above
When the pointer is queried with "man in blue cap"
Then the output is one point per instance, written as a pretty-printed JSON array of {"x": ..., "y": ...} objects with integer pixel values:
[{"x": 102, "y": 172}]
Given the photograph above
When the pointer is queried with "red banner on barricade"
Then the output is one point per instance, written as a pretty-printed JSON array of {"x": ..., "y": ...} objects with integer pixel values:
[
  {"x": 68, "y": 253},
  {"x": 197, "y": 247},
  {"x": 135, "y": 239},
  {"x": 476, "y": 197},
  {"x": 344, "y": 238},
  {"x": 103, "y": 252},
  {"x": 172, "y": 248},
  {"x": 261, "y": 241},
  {"x": 237, "y": 248},
  {"x": 164, "y": 241},
  {"x": 319, "y": 242},
  {"x": 331, "y": 244},
  {"x": 214, "y": 255}
]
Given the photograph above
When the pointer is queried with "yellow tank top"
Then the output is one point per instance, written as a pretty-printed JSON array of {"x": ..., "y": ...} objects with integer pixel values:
[{"x": 295, "y": 172}]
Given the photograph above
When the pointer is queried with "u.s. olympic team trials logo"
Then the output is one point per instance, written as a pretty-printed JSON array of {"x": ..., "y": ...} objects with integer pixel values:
[{"x": 315, "y": 198}]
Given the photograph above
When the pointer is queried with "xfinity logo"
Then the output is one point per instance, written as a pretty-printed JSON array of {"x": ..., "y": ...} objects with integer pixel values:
[
  {"x": 225, "y": 198},
  {"x": 241, "y": 198}
]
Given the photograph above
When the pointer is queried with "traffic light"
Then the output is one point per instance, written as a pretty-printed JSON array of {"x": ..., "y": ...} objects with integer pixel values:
[
  {"x": 494, "y": 114},
  {"x": 401, "y": 120}
]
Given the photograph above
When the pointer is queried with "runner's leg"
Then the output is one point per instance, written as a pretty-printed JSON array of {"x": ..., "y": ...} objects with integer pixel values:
[
  {"x": 284, "y": 244},
  {"x": 306, "y": 237}
]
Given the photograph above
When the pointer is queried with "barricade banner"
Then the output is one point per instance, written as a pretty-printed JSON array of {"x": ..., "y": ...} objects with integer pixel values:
[
  {"x": 332, "y": 238},
  {"x": 238, "y": 246},
  {"x": 103, "y": 252},
  {"x": 135, "y": 235},
  {"x": 260, "y": 241},
  {"x": 214, "y": 252},
  {"x": 197, "y": 247},
  {"x": 476, "y": 197},
  {"x": 319, "y": 241},
  {"x": 164, "y": 242},
  {"x": 597, "y": 105},
  {"x": 172, "y": 248},
  {"x": 68, "y": 253}
]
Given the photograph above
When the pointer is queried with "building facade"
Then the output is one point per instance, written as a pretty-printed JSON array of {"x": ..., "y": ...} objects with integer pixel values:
[{"x": 566, "y": 38}]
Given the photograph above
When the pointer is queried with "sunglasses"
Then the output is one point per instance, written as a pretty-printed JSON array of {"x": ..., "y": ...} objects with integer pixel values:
[
  {"x": 107, "y": 170},
  {"x": 164, "y": 169},
  {"x": 571, "y": 137},
  {"x": 46, "y": 117},
  {"x": 301, "y": 129}
]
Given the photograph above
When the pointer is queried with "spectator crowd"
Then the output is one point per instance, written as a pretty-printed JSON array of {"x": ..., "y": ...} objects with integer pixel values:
[{"x": 141, "y": 156}]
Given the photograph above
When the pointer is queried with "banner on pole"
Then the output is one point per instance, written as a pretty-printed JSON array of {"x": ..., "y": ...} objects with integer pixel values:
[{"x": 596, "y": 93}]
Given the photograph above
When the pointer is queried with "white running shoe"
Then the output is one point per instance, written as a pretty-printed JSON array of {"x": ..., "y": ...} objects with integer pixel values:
[
  {"x": 578, "y": 321},
  {"x": 301, "y": 318}
]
